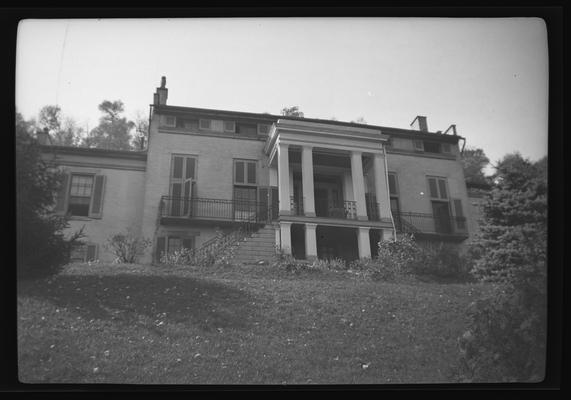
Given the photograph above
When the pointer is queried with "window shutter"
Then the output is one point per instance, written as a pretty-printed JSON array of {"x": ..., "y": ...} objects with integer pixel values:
[
  {"x": 442, "y": 187},
  {"x": 264, "y": 197},
  {"x": 61, "y": 200},
  {"x": 190, "y": 167},
  {"x": 160, "y": 248},
  {"x": 96, "y": 207},
  {"x": 91, "y": 252},
  {"x": 433, "y": 188},
  {"x": 275, "y": 202},
  {"x": 459, "y": 214},
  {"x": 393, "y": 184}
]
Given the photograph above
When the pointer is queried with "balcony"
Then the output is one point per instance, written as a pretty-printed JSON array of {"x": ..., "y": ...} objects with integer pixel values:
[
  {"x": 181, "y": 210},
  {"x": 334, "y": 209},
  {"x": 428, "y": 225}
]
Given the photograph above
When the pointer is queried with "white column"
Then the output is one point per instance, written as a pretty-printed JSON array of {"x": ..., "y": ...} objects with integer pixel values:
[
  {"x": 358, "y": 184},
  {"x": 388, "y": 234},
  {"x": 285, "y": 237},
  {"x": 310, "y": 241},
  {"x": 363, "y": 242},
  {"x": 307, "y": 181},
  {"x": 283, "y": 178},
  {"x": 381, "y": 188}
]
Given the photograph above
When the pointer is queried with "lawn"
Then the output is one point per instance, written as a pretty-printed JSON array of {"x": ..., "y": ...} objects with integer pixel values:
[{"x": 244, "y": 325}]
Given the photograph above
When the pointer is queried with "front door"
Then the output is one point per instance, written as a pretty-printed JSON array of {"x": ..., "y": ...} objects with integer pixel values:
[{"x": 441, "y": 214}]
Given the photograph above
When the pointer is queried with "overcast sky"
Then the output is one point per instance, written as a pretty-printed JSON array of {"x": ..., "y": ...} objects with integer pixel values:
[{"x": 487, "y": 76}]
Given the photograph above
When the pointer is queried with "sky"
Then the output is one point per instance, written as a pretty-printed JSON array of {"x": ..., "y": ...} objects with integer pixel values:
[{"x": 488, "y": 76}]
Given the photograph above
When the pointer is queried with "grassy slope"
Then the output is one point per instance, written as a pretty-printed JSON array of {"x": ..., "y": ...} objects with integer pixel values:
[{"x": 137, "y": 324}]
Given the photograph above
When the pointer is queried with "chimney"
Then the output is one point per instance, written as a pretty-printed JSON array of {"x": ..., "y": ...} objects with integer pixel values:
[
  {"x": 419, "y": 124},
  {"x": 43, "y": 137},
  {"x": 160, "y": 97}
]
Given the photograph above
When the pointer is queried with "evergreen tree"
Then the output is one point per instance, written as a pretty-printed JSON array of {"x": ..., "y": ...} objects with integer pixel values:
[{"x": 42, "y": 246}]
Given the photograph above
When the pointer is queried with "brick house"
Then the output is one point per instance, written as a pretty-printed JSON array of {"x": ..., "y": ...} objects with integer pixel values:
[{"x": 314, "y": 188}]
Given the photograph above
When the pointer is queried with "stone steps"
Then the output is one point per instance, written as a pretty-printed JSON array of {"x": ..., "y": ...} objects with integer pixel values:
[{"x": 258, "y": 247}]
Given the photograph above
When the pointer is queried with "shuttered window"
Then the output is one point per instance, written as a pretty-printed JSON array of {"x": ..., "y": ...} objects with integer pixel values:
[
  {"x": 183, "y": 175},
  {"x": 437, "y": 188},
  {"x": 81, "y": 195},
  {"x": 229, "y": 126},
  {"x": 418, "y": 145},
  {"x": 393, "y": 188},
  {"x": 245, "y": 172}
]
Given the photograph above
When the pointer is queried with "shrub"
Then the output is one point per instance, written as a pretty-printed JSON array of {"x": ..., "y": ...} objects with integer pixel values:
[
  {"x": 127, "y": 247},
  {"x": 440, "y": 260},
  {"x": 288, "y": 263}
]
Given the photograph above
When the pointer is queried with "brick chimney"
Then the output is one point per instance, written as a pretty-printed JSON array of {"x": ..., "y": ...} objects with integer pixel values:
[
  {"x": 419, "y": 124},
  {"x": 160, "y": 97},
  {"x": 43, "y": 137}
]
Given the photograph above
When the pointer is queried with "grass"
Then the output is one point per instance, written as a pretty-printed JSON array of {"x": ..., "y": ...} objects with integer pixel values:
[{"x": 243, "y": 325}]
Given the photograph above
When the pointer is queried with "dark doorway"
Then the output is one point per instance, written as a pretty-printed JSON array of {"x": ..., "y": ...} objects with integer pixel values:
[
  {"x": 375, "y": 236},
  {"x": 298, "y": 241}
]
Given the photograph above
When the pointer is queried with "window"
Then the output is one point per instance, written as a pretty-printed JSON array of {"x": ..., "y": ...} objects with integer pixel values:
[
  {"x": 84, "y": 253},
  {"x": 169, "y": 120},
  {"x": 229, "y": 126},
  {"x": 245, "y": 172},
  {"x": 171, "y": 243},
  {"x": 246, "y": 129},
  {"x": 446, "y": 148},
  {"x": 81, "y": 195},
  {"x": 393, "y": 189},
  {"x": 80, "y": 191},
  {"x": 245, "y": 198},
  {"x": 418, "y": 145},
  {"x": 394, "y": 197},
  {"x": 431, "y": 147},
  {"x": 205, "y": 124},
  {"x": 263, "y": 129},
  {"x": 183, "y": 174},
  {"x": 437, "y": 188},
  {"x": 459, "y": 214}
]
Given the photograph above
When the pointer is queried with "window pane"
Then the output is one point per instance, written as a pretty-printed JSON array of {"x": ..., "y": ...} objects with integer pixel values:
[
  {"x": 79, "y": 206},
  {"x": 431, "y": 147},
  {"x": 174, "y": 244},
  {"x": 81, "y": 185},
  {"x": 239, "y": 172},
  {"x": 251, "y": 172},
  {"x": 177, "y": 167},
  {"x": 442, "y": 186},
  {"x": 432, "y": 187}
]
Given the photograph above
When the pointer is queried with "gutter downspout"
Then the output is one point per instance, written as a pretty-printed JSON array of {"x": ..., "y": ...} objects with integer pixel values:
[
  {"x": 387, "y": 186},
  {"x": 149, "y": 127}
]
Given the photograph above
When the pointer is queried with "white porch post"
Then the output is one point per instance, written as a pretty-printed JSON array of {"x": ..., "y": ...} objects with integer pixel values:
[
  {"x": 285, "y": 237},
  {"x": 363, "y": 242},
  {"x": 358, "y": 184},
  {"x": 310, "y": 241},
  {"x": 307, "y": 181},
  {"x": 381, "y": 189},
  {"x": 283, "y": 178}
]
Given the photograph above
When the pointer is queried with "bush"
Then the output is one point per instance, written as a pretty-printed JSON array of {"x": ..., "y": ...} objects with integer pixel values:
[
  {"x": 332, "y": 264},
  {"x": 126, "y": 247},
  {"x": 288, "y": 263},
  {"x": 440, "y": 260}
]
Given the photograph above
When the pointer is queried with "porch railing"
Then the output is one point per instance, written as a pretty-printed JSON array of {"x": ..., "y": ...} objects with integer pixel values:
[
  {"x": 207, "y": 208},
  {"x": 409, "y": 222}
]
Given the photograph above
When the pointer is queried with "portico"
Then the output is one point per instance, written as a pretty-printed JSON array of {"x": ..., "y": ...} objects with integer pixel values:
[{"x": 322, "y": 173}]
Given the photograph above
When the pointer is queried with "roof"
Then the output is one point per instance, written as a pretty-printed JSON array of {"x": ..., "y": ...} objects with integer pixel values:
[{"x": 271, "y": 117}]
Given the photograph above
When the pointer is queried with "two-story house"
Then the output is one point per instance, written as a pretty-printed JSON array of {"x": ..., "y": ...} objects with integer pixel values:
[{"x": 314, "y": 188}]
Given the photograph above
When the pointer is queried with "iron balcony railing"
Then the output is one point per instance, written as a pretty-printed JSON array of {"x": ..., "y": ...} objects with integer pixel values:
[
  {"x": 335, "y": 209},
  {"x": 409, "y": 222},
  {"x": 206, "y": 208}
]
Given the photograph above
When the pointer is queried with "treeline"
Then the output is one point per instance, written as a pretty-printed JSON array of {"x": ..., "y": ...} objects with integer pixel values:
[{"x": 114, "y": 131}]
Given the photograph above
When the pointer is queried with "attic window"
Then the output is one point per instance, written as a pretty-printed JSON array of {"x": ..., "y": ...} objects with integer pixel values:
[
  {"x": 432, "y": 147},
  {"x": 169, "y": 120},
  {"x": 229, "y": 126},
  {"x": 263, "y": 129}
]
